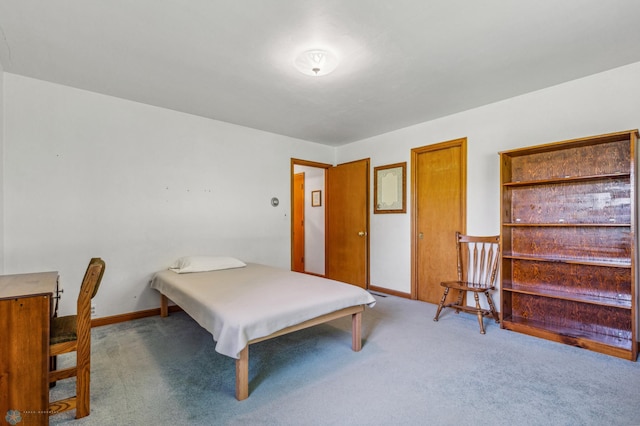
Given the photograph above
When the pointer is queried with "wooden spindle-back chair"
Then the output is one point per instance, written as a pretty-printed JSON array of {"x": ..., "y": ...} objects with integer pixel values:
[
  {"x": 73, "y": 333},
  {"x": 478, "y": 262}
]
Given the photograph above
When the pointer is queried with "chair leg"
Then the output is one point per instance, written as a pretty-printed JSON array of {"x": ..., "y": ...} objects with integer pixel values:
[
  {"x": 492, "y": 307},
  {"x": 461, "y": 301},
  {"x": 441, "y": 304},
  {"x": 479, "y": 311},
  {"x": 53, "y": 366},
  {"x": 83, "y": 381},
  {"x": 82, "y": 394}
]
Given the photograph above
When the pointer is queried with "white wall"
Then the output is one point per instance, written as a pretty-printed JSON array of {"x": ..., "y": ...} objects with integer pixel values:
[
  {"x": 91, "y": 175},
  {"x": 1, "y": 170},
  {"x": 602, "y": 103}
]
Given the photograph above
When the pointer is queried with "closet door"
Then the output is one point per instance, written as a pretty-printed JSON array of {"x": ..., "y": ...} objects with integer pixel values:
[{"x": 439, "y": 211}]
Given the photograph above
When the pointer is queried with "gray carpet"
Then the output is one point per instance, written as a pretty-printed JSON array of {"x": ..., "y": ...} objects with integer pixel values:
[{"x": 411, "y": 371}]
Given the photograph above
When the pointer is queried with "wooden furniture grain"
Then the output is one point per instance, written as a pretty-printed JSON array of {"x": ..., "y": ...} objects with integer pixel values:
[
  {"x": 72, "y": 333},
  {"x": 25, "y": 314},
  {"x": 568, "y": 242},
  {"x": 477, "y": 266}
]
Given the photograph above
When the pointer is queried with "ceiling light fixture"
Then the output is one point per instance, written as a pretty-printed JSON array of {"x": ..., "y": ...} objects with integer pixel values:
[{"x": 316, "y": 62}]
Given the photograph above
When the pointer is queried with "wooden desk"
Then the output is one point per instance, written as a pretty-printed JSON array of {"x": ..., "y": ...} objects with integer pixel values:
[{"x": 25, "y": 317}]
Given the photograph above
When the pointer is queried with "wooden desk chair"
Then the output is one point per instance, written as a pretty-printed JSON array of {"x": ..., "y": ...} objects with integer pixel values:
[
  {"x": 478, "y": 260},
  {"x": 73, "y": 333}
]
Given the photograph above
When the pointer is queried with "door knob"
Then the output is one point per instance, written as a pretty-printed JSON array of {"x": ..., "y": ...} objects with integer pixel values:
[
  {"x": 421, "y": 235},
  {"x": 362, "y": 234}
]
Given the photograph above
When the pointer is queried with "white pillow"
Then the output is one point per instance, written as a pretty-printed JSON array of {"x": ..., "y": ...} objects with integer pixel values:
[{"x": 205, "y": 263}]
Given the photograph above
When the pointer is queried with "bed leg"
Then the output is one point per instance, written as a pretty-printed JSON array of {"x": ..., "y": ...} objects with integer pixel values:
[
  {"x": 356, "y": 331},
  {"x": 164, "y": 306},
  {"x": 242, "y": 375}
]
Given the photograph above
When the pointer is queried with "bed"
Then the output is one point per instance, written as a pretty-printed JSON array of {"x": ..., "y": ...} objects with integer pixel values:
[{"x": 249, "y": 303}]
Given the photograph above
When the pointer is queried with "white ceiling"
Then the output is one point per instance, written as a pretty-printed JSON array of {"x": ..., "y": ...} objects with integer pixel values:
[{"x": 402, "y": 62}]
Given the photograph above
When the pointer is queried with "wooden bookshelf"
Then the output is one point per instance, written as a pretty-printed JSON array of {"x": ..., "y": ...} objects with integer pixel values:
[{"x": 568, "y": 242}]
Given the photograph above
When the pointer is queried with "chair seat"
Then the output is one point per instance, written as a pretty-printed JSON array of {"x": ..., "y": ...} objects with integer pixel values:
[
  {"x": 467, "y": 286},
  {"x": 63, "y": 329}
]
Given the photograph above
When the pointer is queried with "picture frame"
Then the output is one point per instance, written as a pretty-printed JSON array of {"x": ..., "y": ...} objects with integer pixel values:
[
  {"x": 390, "y": 188},
  {"x": 316, "y": 198}
]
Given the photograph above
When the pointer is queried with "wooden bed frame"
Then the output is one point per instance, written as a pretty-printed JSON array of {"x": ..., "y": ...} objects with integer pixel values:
[{"x": 242, "y": 364}]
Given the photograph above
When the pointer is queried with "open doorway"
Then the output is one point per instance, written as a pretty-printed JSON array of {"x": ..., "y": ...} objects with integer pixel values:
[
  {"x": 308, "y": 218},
  {"x": 334, "y": 221}
]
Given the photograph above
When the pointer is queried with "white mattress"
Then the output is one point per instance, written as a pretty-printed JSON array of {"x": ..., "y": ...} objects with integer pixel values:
[{"x": 242, "y": 304}]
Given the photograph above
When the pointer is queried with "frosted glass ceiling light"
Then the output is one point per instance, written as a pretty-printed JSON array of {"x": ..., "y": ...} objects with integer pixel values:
[{"x": 316, "y": 62}]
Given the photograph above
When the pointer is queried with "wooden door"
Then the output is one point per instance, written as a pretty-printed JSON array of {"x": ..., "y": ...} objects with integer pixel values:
[
  {"x": 439, "y": 185},
  {"x": 347, "y": 211},
  {"x": 297, "y": 259}
]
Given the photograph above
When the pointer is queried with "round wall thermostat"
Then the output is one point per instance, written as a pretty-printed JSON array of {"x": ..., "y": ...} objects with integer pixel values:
[{"x": 275, "y": 202}]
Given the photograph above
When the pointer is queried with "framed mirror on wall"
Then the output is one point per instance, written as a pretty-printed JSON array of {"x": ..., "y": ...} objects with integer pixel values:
[{"x": 389, "y": 192}]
